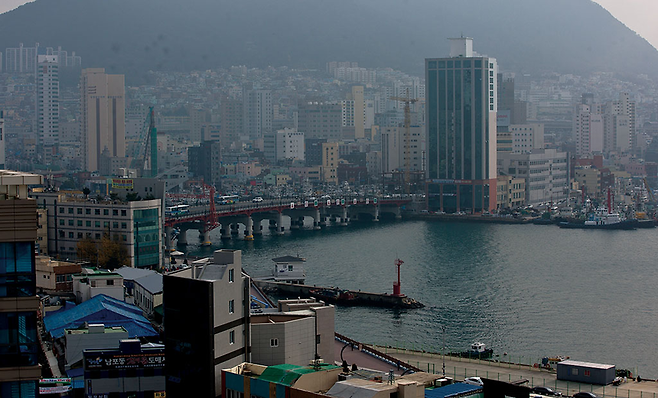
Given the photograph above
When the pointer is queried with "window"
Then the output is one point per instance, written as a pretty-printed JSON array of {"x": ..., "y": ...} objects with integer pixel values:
[
  {"x": 123, "y": 213},
  {"x": 62, "y": 222},
  {"x": 79, "y": 223},
  {"x": 70, "y": 235},
  {"x": 110, "y": 282},
  {"x": 274, "y": 342},
  {"x": 115, "y": 212},
  {"x": 61, "y": 210},
  {"x": 70, "y": 210},
  {"x": 289, "y": 267},
  {"x": 231, "y": 337},
  {"x": 97, "y": 212},
  {"x": 79, "y": 210},
  {"x": 231, "y": 306},
  {"x": 124, "y": 225},
  {"x": 317, "y": 339},
  {"x": 115, "y": 225},
  {"x": 230, "y": 275},
  {"x": 106, "y": 212},
  {"x": 97, "y": 224},
  {"x": 88, "y": 223},
  {"x": 70, "y": 223},
  {"x": 87, "y": 211}
]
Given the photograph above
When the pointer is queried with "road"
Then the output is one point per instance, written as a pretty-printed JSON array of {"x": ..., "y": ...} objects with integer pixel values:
[{"x": 460, "y": 368}]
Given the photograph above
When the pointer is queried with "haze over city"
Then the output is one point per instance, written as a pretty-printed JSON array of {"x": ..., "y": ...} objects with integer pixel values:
[{"x": 310, "y": 199}]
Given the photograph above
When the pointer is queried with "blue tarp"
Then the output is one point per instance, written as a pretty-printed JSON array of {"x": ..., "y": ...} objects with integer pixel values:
[
  {"x": 451, "y": 390},
  {"x": 100, "y": 309}
]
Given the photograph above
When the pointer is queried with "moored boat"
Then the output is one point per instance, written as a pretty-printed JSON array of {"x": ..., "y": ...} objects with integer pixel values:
[{"x": 478, "y": 351}]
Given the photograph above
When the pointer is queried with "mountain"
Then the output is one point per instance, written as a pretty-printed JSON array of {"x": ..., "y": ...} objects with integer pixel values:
[{"x": 134, "y": 36}]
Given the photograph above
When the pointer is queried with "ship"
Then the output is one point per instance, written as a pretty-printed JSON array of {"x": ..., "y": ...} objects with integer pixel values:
[
  {"x": 478, "y": 351},
  {"x": 602, "y": 218},
  {"x": 334, "y": 296}
]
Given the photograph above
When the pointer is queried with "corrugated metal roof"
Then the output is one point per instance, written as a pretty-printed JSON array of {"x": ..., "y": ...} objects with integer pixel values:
[
  {"x": 130, "y": 273},
  {"x": 452, "y": 390},
  {"x": 287, "y": 374},
  {"x": 152, "y": 282},
  {"x": 592, "y": 365},
  {"x": 100, "y": 309}
]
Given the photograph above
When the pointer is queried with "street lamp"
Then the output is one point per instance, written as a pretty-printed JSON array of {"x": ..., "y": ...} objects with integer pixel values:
[{"x": 443, "y": 328}]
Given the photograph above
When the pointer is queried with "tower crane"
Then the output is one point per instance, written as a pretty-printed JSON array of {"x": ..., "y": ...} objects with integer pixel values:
[
  {"x": 407, "y": 136},
  {"x": 148, "y": 138}
]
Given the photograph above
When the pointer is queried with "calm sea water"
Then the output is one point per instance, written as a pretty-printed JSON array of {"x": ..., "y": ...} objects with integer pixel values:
[{"x": 526, "y": 290}]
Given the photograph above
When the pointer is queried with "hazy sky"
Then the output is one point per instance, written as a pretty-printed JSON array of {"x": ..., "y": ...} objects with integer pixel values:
[{"x": 638, "y": 15}]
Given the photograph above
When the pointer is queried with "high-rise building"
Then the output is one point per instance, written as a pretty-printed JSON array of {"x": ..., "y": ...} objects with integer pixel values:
[
  {"x": 256, "y": 113},
  {"x": 231, "y": 119},
  {"x": 21, "y": 59},
  {"x": 205, "y": 161},
  {"x": 47, "y": 105},
  {"x": 2, "y": 139},
  {"x": 544, "y": 170},
  {"x": 393, "y": 149},
  {"x": 289, "y": 145},
  {"x": 461, "y": 130},
  {"x": 103, "y": 116},
  {"x": 207, "y": 323},
  {"x": 330, "y": 159},
  {"x": 320, "y": 120},
  {"x": 19, "y": 304},
  {"x": 359, "y": 112},
  {"x": 619, "y": 125}
]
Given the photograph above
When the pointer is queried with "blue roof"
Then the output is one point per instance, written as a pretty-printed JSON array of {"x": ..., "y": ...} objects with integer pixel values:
[
  {"x": 451, "y": 390},
  {"x": 100, "y": 309}
]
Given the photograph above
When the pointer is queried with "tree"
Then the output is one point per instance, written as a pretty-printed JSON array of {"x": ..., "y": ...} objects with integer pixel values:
[
  {"x": 112, "y": 254},
  {"x": 132, "y": 197},
  {"x": 87, "y": 249},
  {"x": 86, "y": 191}
]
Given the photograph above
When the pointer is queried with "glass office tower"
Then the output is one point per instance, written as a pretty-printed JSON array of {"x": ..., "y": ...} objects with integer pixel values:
[{"x": 461, "y": 130}]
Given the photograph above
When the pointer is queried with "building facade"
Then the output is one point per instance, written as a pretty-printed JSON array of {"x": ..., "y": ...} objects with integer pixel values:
[
  {"x": 320, "y": 120},
  {"x": 330, "y": 160},
  {"x": 102, "y": 108},
  {"x": 205, "y": 161},
  {"x": 21, "y": 59},
  {"x": 257, "y": 113},
  {"x": 137, "y": 225},
  {"x": 47, "y": 105},
  {"x": 461, "y": 130},
  {"x": 19, "y": 346},
  {"x": 2, "y": 139},
  {"x": 206, "y": 324},
  {"x": 545, "y": 172}
]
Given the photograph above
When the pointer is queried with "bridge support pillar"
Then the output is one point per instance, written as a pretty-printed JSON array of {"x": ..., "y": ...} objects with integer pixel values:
[
  {"x": 206, "y": 237},
  {"x": 376, "y": 215},
  {"x": 234, "y": 229},
  {"x": 225, "y": 231},
  {"x": 169, "y": 242},
  {"x": 279, "y": 224},
  {"x": 249, "y": 229},
  {"x": 398, "y": 213},
  {"x": 182, "y": 237},
  {"x": 323, "y": 221},
  {"x": 344, "y": 219},
  {"x": 295, "y": 224},
  {"x": 258, "y": 228},
  {"x": 317, "y": 220}
]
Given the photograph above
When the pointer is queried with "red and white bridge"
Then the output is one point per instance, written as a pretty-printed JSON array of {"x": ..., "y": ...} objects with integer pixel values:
[{"x": 249, "y": 214}]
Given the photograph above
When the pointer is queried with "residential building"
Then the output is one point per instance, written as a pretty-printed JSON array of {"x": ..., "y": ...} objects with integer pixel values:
[
  {"x": 231, "y": 118},
  {"x": 526, "y": 137},
  {"x": 19, "y": 346},
  {"x": 313, "y": 150},
  {"x": 148, "y": 292},
  {"x": 47, "y": 106},
  {"x": 589, "y": 180},
  {"x": 289, "y": 145},
  {"x": 619, "y": 125},
  {"x": 92, "y": 282},
  {"x": 301, "y": 331},
  {"x": 137, "y": 225},
  {"x": 55, "y": 276},
  {"x": 330, "y": 159},
  {"x": 545, "y": 172},
  {"x": 511, "y": 192},
  {"x": 461, "y": 130},
  {"x": 205, "y": 161},
  {"x": 206, "y": 324},
  {"x": 588, "y": 128},
  {"x": 256, "y": 112},
  {"x": 21, "y": 59},
  {"x": 2, "y": 139},
  {"x": 393, "y": 151},
  {"x": 102, "y": 108},
  {"x": 320, "y": 121},
  {"x": 132, "y": 370}
]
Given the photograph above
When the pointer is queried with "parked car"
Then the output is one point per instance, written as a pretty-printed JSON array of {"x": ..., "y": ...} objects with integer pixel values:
[
  {"x": 585, "y": 394},
  {"x": 476, "y": 381},
  {"x": 545, "y": 391}
]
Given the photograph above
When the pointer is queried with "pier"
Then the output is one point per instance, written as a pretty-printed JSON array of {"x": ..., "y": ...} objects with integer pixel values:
[{"x": 356, "y": 297}]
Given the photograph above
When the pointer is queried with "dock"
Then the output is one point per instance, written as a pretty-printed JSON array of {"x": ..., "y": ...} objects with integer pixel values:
[{"x": 357, "y": 298}]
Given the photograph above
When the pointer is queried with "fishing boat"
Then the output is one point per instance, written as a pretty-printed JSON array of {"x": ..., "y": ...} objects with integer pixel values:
[
  {"x": 478, "y": 350},
  {"x": 602, "y": 218}
]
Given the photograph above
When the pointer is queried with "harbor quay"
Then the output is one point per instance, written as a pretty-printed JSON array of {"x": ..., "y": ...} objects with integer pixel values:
[{"x": 461, "y": 368}]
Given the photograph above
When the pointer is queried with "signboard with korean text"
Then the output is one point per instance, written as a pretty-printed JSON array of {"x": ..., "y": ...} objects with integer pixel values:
[
  {"x": 125, "y": 361},
  {"x": 122, "y": 183}
]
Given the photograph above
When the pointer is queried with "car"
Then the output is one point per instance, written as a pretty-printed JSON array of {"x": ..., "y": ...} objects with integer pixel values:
[
  {"x": 541, "y": 390},
  {"x": 474, "y": 381},
  {"x": 585, "y": 394},
  {"x": 257, "y": 199}
]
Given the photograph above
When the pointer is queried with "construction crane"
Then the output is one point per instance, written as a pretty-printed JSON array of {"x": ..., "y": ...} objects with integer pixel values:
[
  {"x": 407, "y": 137},
  {"x": 650, "y": 195},
  {"x": 148, "y": 138}
]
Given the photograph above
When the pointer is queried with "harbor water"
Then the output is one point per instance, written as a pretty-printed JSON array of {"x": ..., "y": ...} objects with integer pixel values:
[{"x": 525, "y": 290}]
